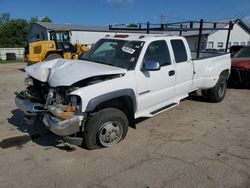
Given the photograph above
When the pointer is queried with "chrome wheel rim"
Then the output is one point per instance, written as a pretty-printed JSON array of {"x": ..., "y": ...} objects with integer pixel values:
[{"x": 110, "y": 133}]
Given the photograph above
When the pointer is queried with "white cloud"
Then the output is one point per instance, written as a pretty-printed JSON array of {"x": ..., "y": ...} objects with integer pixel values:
[{"x": 121, "y": 3}]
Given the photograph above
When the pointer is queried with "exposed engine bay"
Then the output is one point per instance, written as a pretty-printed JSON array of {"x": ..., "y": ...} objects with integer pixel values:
[
  {"x": 55, "y": 106},
  {"x": 38, "y": 91}
]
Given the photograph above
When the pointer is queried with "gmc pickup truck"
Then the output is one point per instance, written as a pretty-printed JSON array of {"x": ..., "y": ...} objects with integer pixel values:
[{"x": 94, "y": 100}]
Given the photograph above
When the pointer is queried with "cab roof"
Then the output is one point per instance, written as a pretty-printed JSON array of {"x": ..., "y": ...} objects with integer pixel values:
[{"x": 140, "y": 36}]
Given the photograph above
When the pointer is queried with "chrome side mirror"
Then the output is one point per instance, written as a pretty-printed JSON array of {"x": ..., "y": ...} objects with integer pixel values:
[{"x": 151, "y": 66}]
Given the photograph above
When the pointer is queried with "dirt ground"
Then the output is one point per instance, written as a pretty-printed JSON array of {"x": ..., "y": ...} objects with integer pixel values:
[{"x": 197, "y": 144}]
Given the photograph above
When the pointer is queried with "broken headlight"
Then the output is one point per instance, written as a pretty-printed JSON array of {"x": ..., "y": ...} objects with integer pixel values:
[
  {"x": 74, "y": 100},
  {"x": 28, "y": 81}
]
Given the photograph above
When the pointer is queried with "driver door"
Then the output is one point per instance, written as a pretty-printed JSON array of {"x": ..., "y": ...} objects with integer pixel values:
[{"x": 155, "y": 87}]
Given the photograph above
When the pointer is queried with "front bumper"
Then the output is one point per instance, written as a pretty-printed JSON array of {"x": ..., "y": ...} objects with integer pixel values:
[
  {"x": 29, "y": 107},
  {"x": 35, "y": 111},
  {"x": 63, "y": 127},
  {"x": 32, "y": 111}
]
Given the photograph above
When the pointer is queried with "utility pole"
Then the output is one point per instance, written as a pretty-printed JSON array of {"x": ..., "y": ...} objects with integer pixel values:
[{"x": 163, "y": 19}]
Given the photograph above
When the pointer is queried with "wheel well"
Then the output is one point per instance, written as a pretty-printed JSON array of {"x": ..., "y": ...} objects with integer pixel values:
[
  {"x": 225, "y": 74},
  {"x": 124, "y": 103},
  {"x": 54, "y": 52}
]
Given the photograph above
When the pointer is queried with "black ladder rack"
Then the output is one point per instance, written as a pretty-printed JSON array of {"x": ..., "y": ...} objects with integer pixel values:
[{"x": 181, "y": 27}]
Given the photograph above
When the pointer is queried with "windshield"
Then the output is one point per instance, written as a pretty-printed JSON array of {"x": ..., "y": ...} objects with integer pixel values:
[
  {"x": 243, "y": 53},
  {"x": 118, "y": 53},
  {"x": 60, "y": 36}
]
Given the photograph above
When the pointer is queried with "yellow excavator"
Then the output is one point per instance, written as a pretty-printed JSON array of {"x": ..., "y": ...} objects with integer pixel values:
[{"x": 59, "y": 46}]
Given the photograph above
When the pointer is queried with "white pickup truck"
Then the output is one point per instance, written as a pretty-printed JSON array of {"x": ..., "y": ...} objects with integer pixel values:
[{"x": 94, "y": 100}]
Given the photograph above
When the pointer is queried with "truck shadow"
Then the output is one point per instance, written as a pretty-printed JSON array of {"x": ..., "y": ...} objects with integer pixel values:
[
  {"x": 37, "y": 133},
  {"x": 22, "y": 70},
  {"x": 239, "y": 86},
  {"x": 199, "y": 98},
  {"x": 196, "y": 97}
]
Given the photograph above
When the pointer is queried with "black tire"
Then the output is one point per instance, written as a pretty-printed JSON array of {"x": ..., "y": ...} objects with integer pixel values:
[
  {"x": 52, "y": 56},
  {"x": 97, "y": 128},
  {"x": 204, "y": 94},
  {"x": 217, "y": 93}
]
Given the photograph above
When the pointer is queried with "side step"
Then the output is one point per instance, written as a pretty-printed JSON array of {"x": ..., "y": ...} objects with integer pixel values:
[{"x": 163, "y": 109}]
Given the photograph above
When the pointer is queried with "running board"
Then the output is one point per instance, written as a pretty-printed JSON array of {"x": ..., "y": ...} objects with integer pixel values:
[{"x": 163, "y": 108}]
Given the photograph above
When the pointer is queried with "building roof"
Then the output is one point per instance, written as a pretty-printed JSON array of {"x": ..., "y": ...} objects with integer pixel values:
[
  {"x": 73, "y": 27},
  {"x": 244, "y": 26},
  {"x": 78, "y": 27}
]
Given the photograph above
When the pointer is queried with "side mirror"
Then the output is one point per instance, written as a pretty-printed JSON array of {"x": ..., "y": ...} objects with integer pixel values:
[{"x": 151, "y": 66}]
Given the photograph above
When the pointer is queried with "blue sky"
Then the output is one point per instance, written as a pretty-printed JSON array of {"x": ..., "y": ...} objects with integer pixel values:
[{"x": 103, "y": 12}]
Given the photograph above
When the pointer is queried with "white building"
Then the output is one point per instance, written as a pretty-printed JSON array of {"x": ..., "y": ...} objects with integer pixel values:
[
  {"x": 19, "y": 53},
  {"x": 87, "y": 34},
  {"x": 84, "y": 34},
  {"x": 81, "y": 34},
  {"x": 240, "y": 35}
]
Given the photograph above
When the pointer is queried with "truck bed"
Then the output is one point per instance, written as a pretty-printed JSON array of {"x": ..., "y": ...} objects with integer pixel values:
[
  {"x": 204, "y": 55},
  {"x": 207, "y": 70}
]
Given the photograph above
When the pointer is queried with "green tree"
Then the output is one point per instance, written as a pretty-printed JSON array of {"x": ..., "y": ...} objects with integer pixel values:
[
  {"x": 36, "y": 19},
  {"x": 13, "y": 33},
  {"x": 46, "y": 19},
  {"x": 5, "y": 17}
]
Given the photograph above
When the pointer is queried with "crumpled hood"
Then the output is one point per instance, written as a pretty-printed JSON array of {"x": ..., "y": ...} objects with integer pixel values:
[{"x": 65, "y": 72}]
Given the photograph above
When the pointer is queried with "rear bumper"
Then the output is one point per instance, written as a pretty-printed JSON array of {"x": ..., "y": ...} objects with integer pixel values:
[{"x": 63, "y": 127}]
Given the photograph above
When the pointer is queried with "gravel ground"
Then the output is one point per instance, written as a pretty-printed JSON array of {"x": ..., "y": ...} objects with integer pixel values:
[{"x": 196, "y": 144}]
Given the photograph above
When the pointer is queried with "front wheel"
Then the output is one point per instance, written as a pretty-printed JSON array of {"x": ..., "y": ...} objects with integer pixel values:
[
  {"x": 52, "y": 56},
  {"x": 218, "y": 92},
  {"x": 105, "y": 128}
]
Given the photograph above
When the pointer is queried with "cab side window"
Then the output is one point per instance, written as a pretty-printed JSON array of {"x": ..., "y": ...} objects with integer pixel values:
[
  {"x": 180, "y": 52},
  {"x": 158, "y": 51}
]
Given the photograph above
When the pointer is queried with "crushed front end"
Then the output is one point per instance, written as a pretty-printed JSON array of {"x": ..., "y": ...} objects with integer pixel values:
[{"x": 56, "y": 107}]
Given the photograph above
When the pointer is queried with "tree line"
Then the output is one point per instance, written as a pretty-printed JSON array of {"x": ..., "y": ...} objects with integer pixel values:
[{"x": 13, "y": 32}]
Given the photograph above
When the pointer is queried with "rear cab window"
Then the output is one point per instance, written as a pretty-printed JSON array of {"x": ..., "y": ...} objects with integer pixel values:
[{"x": 179, "y": 49}]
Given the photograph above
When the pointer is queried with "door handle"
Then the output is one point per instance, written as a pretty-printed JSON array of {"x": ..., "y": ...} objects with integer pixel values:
[{"x": 171, "y": 73}]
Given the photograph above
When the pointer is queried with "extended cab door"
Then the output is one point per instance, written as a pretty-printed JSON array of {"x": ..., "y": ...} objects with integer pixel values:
[
  {"x": 183, "y": 67},
  {"x": 157, "y": 86}
]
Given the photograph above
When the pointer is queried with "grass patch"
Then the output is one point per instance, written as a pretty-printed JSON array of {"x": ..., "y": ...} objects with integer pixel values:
[{"x": 10, "y": 61}]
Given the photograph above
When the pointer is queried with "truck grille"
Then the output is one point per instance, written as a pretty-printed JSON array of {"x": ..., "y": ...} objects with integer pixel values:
[{"x": 39, "y": 89}]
